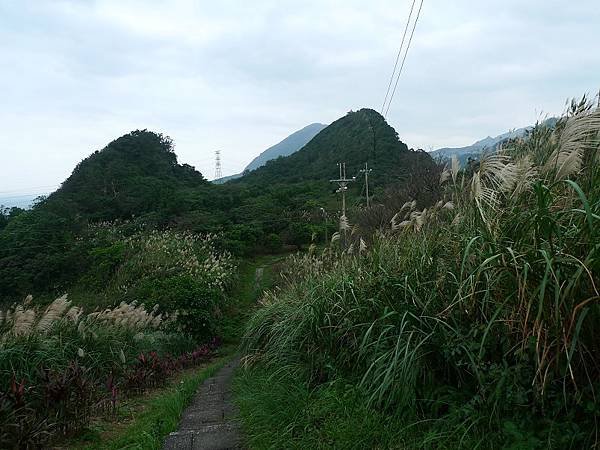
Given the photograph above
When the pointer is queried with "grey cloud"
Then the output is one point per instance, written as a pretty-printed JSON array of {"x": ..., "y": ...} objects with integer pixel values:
[{"x": 240, "y": 76}]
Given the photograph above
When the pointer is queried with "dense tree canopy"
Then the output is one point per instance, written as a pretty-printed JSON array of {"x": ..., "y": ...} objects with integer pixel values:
[{"x": 137, "y": 183}]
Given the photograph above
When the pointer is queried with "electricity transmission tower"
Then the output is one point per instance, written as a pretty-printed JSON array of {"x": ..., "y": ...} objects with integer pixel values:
[
  {"x": 366, "y": 171},
  {"x": 218, "y": 172},
  {"x": 342, "y": 181}
]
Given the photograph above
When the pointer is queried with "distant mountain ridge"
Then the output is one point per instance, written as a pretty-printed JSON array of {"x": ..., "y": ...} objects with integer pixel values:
[
  {"x": 286, "y": 147},
  {"x": 489, "y": 143},
  {"x": 23, "y": 201},
  {"x": 289, "y": 145}
]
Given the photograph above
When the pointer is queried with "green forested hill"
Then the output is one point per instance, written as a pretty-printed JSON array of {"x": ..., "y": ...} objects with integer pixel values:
[
  {"x": 133, "y": 175},
  {"x": 359, "y": 137},
  {"x": 136, "y": 183}
]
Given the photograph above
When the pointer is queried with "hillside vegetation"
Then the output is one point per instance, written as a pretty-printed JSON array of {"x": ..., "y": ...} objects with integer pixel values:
[
  {"x": 359, "y": 137},
  {"x": 137, "y": 185},
  {"x": 471, "y": 323}
]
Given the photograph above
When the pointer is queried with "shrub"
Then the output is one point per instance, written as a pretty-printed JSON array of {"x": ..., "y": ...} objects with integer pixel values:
[
  {"x": 273, "y": 243},
  {"x": 197, "y": 304},
  {"x": 172, "y": 270}
]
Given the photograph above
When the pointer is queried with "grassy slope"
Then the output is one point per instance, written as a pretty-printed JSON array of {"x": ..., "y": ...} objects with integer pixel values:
[{"x": 286, "y": 413}]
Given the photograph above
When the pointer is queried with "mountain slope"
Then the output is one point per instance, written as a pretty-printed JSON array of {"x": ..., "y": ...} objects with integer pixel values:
[
  {"x": 487, "y": 144},
  {"x": 359, "y": 137},
  {"x": 134, "y": 181},
  {"x": 133, "y": 175},
  {"x": 289, "y": 145}
]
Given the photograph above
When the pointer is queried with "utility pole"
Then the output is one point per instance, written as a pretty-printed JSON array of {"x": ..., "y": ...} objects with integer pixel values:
[
  {"x": 366, "y": 171},
  {"x": 342, "y": 181},
  {"x": 218, "y": 172}
]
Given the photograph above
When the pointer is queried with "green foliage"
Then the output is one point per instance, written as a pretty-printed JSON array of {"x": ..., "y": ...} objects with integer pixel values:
[
  {"x": 176, "y": 271},
  {"x": 6, "y": 214},
  {"x": 196, "y": 302},
  {"x": 159, "y": 415},
  {"x": 59, "y": 365},
  {"x": 273, "y": 243},
  {"x": 480, "y": 310}
]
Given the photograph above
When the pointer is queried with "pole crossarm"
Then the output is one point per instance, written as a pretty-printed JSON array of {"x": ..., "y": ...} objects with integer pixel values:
[{"x": 342, "y": 181}]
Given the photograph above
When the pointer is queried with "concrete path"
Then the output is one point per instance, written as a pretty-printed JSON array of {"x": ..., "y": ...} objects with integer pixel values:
[{"x": 209, "y": 422}]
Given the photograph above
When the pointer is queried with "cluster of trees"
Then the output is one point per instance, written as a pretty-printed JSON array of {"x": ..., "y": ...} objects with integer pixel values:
[
  {"x": 136, "y": 182},
  {"x": 6, "y": 214}
]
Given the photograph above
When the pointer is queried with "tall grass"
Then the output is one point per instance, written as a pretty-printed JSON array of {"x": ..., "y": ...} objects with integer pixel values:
[
  {"x": 482, "y": 306},
  {"x": 59, "y": 365}
]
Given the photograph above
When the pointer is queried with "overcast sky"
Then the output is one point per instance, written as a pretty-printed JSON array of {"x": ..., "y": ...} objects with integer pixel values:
[{"x": 240, "y": 76}]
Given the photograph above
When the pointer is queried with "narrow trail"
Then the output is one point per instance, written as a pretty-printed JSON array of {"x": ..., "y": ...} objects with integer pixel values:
[{"x": 209, "y": 423}]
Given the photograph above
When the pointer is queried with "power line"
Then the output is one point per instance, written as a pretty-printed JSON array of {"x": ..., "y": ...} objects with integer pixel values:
[
  {"x": 404, "y": 58},
  {"x": 398, "y": 56}
]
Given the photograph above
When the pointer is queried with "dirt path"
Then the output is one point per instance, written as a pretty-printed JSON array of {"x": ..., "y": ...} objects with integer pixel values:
[{"x": 209, "y": 422}]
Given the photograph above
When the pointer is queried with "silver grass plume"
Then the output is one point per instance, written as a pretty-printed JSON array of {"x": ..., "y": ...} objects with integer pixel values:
[
  {"x": 54, "y": 312},
  {"x": 445, "y": 175},
  {"x": 455, "y": 168},
  {"x": 493, "y": 170},
  {"x": 525, "y": 175},
  {"x": 409, "y": 208},
  {"x": 23, "y": 320},
  {"x": 578, "y": 136},
  {"x": 482, "y": 193},
  {"x": 362, "y": 246},
  {"x": 74, "y": 313},
  {"x": 344, "y": 224},
  {"x": 456, "y": 219}
]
